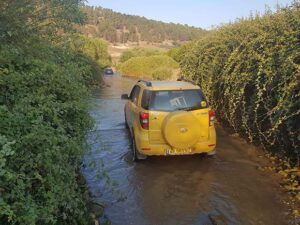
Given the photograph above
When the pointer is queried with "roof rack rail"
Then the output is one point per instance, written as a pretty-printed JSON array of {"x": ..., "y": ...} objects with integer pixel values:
[
  {"x": 189, "y": 81},
  {"x": 148, "y": 83}
]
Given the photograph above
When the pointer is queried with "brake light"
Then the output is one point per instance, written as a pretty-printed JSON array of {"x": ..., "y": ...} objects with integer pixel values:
[
  {"x": 211, "y": 115},
  {"x": 144, "y": 119}
]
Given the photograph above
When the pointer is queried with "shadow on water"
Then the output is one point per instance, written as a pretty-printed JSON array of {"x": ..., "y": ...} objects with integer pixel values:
[{"x": 225, "y": 189}]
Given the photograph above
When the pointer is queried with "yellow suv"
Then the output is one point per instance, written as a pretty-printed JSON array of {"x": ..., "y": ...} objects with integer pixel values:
[{"x": 169, "y": 118}]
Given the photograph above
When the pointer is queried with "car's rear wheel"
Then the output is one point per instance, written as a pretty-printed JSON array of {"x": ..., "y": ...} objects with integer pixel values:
[
  {"x": 126, "y": 124},
  {"x": 136, "y": 156}
]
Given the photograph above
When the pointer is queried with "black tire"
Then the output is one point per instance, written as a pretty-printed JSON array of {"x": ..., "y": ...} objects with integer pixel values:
[
  {"x": 136, "y": 156},
  {"x": 126, "y": 124}
]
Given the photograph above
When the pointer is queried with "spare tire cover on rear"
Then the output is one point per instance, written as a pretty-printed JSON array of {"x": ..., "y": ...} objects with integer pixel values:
[{"x": 181, "y": 129}]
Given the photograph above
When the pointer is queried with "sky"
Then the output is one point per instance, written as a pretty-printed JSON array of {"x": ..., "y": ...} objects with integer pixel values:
[{"x": 198, "y": 13}]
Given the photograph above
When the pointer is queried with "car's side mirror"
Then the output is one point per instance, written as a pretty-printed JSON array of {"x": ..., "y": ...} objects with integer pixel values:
[{"x": 125, "y": 96}]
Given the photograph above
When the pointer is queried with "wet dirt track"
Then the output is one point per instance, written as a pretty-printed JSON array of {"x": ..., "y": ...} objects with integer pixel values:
[{"x": 185, "y": 190}]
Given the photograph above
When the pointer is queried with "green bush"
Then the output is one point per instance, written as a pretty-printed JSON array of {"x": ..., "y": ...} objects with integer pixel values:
[
  {"x": 136, "y": 52},
  {"x": 250, "y": 71},
  {"x": 44, "y": 113},
  {"x": 161, "y": 73},
  {"x": 145, "y": 66},
  {"x": 43, "y": 124},
  {"x": 94, "y": 48}
]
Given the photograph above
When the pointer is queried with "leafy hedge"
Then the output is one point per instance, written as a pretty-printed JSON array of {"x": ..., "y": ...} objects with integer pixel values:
[
  {"x": 149, "y": 67},
  {"x": 43, "y": 122},
  {"x": 44, "y": 114},
  {"x": 250, "y": 71}
]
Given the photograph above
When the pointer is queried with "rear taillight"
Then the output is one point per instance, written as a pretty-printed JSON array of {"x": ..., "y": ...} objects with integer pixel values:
[
  {"x": 144, "y": 119},
  {"x": 211, "y": 116}
]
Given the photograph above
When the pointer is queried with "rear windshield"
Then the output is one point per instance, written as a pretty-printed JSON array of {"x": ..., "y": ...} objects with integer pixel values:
[{"x": 173, "y": 100}]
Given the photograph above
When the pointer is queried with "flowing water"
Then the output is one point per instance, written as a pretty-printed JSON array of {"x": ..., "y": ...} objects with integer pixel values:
[{"x": 185, "y": 190}]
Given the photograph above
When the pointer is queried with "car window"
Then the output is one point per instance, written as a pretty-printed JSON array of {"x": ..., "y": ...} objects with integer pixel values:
[
  {"x": 134, "y": 95},
  {"x": 146, "y": 99},
  {"x": 173, "y": 100}
]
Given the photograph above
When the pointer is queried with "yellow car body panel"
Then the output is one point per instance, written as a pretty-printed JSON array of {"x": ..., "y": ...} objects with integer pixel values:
[{"x": 152, "y": 141}]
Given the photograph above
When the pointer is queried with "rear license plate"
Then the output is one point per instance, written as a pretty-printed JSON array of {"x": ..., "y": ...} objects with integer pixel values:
[{"x": 178, "y": 151}]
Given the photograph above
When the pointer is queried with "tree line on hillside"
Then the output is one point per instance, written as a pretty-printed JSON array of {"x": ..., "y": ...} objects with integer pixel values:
[
  {"x": 250, "y": 72},
  {"x": 121, "y": 28},
  {"x": 45, "y": 71}
]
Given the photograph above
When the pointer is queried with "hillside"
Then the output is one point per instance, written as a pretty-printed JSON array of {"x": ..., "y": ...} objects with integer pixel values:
[{"x": 121, "y": 28}]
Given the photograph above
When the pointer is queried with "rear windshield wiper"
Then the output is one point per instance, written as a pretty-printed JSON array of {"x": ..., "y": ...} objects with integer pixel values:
[{"x": 188, "y": 108}]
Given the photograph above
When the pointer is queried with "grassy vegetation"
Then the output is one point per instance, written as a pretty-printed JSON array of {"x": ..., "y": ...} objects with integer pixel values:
[
  {"x": 250, "y": 71},
  {"x": 136, "y": 52},
  {"x": 150, "y": 67},
  {"x": 43, "y": 111}
]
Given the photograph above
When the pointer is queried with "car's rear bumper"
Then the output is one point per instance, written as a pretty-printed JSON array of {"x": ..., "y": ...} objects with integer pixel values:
[
  {"x": 144, "y": 147},
  {"x": 168, "y": 150}
]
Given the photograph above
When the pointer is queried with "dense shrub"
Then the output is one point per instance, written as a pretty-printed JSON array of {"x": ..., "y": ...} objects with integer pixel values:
[
  {"x": 135, "y": 52},
  {"x": 94, "y": 48},
  {"x": 250, "y": 71},
  {"x": 43, "y": 122},
  {"x": 146, "y": 66},
  {"x": 43, "y": 111},
  {"x": 161, "y": 73}
]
